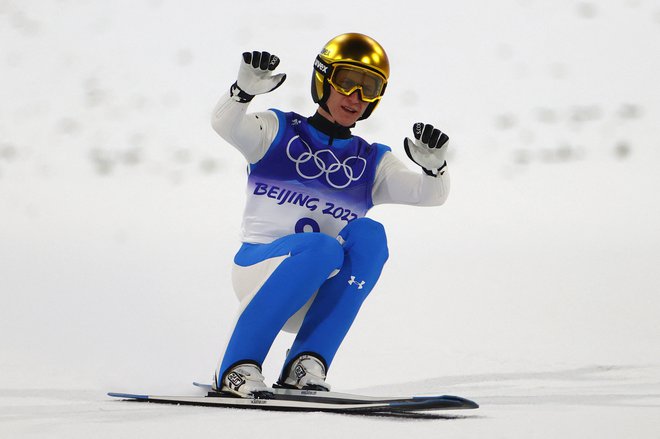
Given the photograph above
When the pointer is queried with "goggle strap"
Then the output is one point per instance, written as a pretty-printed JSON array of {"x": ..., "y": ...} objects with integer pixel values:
[{"x": 322, "y": 67}]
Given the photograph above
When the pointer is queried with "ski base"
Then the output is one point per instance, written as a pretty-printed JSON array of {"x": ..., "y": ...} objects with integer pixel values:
[
  {"x": 310, "y": 401},
  {"x": 341, "y": 398}
]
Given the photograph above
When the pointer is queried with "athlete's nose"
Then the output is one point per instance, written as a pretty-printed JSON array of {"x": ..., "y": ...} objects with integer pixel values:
[{"x": 355, "y": 96}]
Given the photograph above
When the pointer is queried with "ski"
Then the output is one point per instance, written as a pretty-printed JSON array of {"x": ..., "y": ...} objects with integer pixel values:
[
  {"x": 290, "y": 401},
  {"x": 343, "y": 398}
]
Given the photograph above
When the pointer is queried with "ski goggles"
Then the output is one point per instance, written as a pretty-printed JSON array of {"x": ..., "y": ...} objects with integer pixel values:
[{"x": 346, "y": 79}]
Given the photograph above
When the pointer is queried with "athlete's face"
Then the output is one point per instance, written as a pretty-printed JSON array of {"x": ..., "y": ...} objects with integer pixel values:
[{"x": 345, "y": 110}]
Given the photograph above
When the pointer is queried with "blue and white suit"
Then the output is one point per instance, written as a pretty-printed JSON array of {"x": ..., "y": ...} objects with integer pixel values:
[{"x": 309, "y": 256}]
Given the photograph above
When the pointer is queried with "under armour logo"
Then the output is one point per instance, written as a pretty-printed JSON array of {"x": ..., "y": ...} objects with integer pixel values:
[{"x": 352, "y": 281}]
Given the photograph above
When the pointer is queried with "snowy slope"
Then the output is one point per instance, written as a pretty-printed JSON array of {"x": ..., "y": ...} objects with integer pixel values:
[{"x": 533, "y": 290}]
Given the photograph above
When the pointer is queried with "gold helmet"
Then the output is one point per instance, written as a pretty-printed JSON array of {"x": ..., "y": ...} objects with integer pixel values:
[{"x": 351, "y": 62}]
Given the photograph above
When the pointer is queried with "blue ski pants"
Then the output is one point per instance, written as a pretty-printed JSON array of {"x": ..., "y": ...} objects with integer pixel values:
[{"x": 303, "y": 268}]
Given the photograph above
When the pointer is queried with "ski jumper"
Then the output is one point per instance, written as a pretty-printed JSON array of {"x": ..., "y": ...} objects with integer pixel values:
[{"x": 309, "y": 256}]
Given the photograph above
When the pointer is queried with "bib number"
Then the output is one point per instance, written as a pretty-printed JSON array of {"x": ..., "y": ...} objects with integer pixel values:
[{"x": 306, "y": 225}]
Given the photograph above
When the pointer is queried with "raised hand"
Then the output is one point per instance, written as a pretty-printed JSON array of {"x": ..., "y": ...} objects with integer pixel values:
[
  {"x": 428, "y": 149},
  {"x": 255, "y": 76}
]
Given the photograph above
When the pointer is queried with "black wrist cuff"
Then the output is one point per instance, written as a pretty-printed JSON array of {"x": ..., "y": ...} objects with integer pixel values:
[
  {"x": 439, "y": 171},
  {"x": 236, "y": 92}
]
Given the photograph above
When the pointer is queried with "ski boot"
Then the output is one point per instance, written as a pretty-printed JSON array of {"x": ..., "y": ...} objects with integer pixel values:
[
  {"x": 245, "y": 381},
  {"x": 305, "y": 372}
]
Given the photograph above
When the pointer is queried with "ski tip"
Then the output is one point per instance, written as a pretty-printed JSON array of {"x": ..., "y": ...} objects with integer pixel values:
[
  {"x": 448, "y": 401},
  {"x": 464, "y": 402},
  {"x": 127, "y": 395}
]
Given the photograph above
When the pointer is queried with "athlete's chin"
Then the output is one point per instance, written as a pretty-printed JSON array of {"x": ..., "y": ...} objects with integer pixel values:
[{"x": 347, "y": 120}]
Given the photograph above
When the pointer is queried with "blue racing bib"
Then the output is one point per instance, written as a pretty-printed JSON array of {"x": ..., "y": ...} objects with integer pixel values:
[{"x": 303, "y": 184}]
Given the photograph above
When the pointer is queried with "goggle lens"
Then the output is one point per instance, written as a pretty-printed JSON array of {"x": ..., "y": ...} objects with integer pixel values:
[{"x": 347, "y": 79}]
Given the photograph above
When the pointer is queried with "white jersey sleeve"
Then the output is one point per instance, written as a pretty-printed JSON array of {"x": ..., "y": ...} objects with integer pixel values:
[
  {"x": 396, "y": 184},
  {"x": 251, "y": 133}
]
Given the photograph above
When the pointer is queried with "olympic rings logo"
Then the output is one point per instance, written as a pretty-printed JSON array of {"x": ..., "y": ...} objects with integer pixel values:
[{"x": 311, "y": 165}]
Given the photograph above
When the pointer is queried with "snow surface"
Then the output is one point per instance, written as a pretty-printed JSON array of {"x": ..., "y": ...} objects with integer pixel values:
[{"x": 533, "y": 291}]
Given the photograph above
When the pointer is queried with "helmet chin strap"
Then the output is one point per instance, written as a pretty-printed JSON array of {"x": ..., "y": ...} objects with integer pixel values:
[
  {"x": 324, "y": 105},
  {"x": 326, "y": 94}
]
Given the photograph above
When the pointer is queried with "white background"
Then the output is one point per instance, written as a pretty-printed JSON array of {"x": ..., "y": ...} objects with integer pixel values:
[{"x": 533, "y": 290}]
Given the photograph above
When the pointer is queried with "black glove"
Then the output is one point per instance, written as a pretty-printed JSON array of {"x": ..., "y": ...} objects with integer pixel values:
[
  {"x": 255, "y": 76},
  {"x": 428, "y": 149}
]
